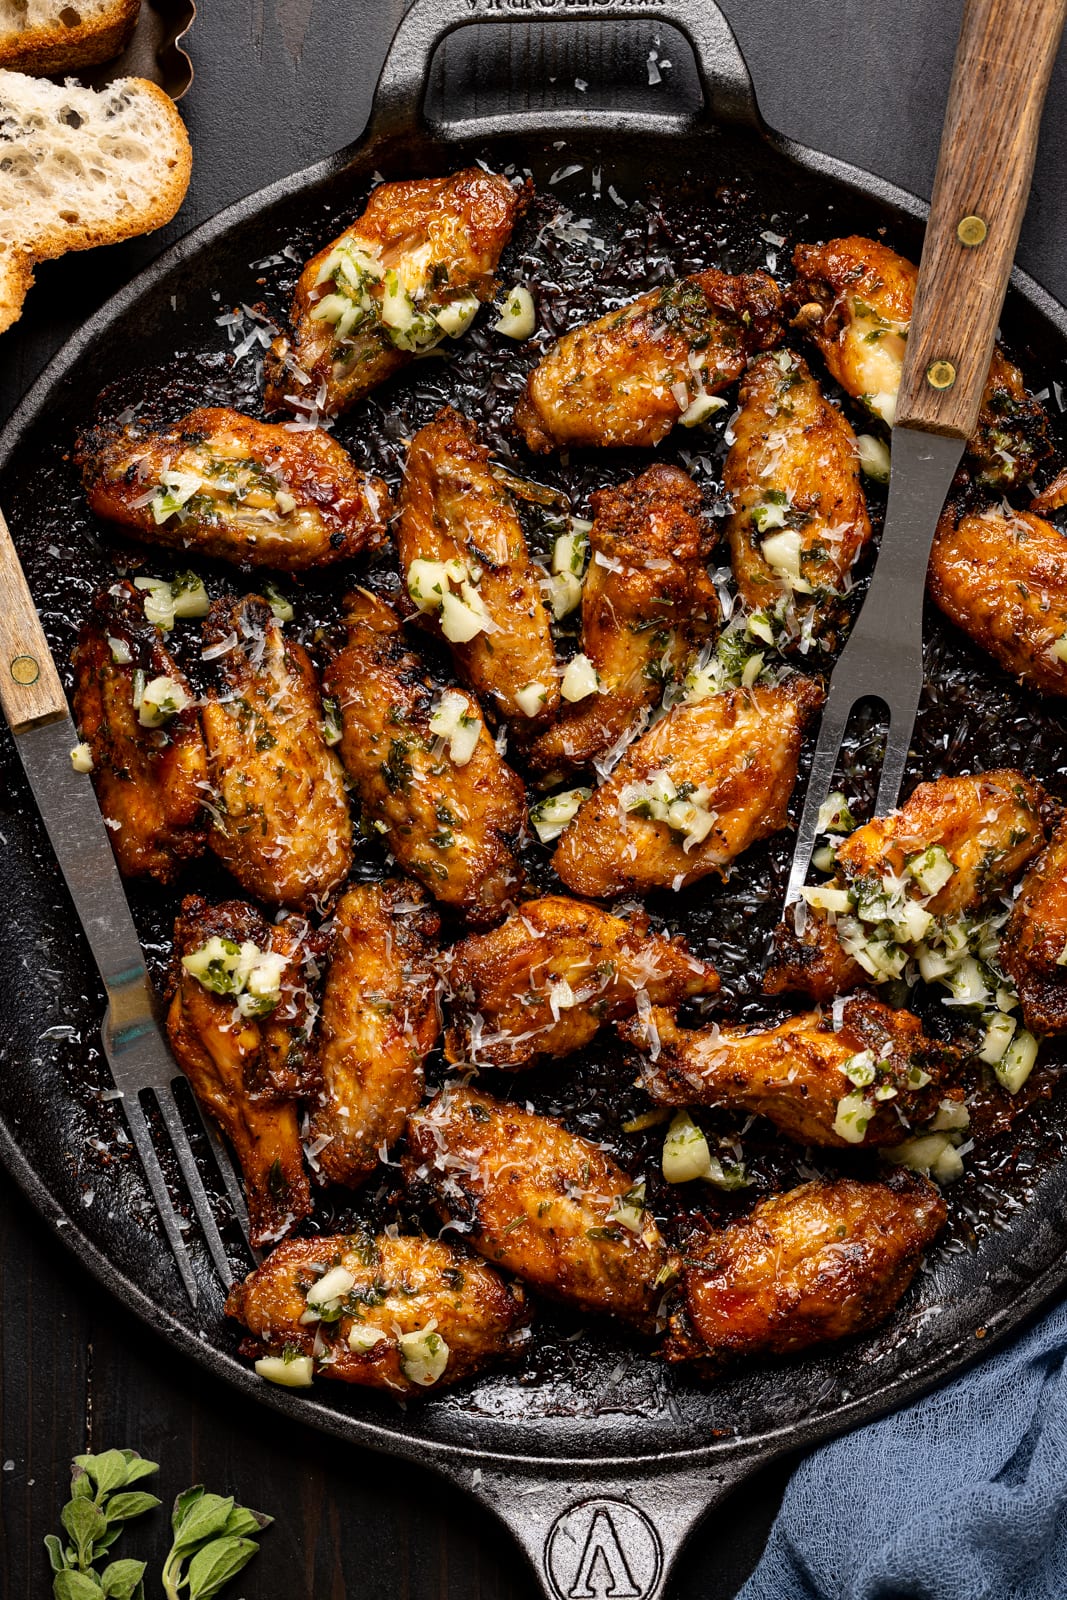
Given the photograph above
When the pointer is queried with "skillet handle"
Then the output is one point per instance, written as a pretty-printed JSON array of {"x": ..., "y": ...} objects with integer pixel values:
[
  {"x": 1000, "y": 78},
  {"x": 625, "y": 1531},
  {"x": 398, "y": 108},
  {"x": 30, "y": 690}
]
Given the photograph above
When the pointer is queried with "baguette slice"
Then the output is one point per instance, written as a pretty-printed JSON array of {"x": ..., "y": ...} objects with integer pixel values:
[
  {"x": 79, "y": 168},
  {"x": 64, "y": 35}
]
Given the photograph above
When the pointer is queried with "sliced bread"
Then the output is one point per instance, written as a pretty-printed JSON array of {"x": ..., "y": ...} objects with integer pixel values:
[
  {"x": 81, "y": 167},
  {"x": 63, "y": 35}
]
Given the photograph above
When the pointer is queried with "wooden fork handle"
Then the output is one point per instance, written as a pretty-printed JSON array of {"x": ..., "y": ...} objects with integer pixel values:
[
  {"x": 1001, "y": 75},
  {"x": 30, "y": 690}
]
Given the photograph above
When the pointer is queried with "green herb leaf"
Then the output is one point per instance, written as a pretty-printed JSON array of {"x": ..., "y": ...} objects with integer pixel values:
[
  {"x": 121, "y": 1507},
  {"x": 56, "y": 1556},
  {"x": 182, "y": 1504},
  {"x": 121, "y": 1579},
  {"x": 242, "y": 1520},
  {"x": 205, "y": 1519},
  {"x": 86, "y": 1523},
  {"x": 75, "y": 1586},
  {"x": 107, "y": 1471},
  {"x": 216, "y": 1564},
  {"x": 138, "y": 1467}
]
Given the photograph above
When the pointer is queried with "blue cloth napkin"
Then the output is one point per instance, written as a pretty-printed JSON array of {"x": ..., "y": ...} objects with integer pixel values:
[{"x": 962, "y": 1496}]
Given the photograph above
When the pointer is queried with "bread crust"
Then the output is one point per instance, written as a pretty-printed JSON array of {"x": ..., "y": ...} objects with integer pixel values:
[
  {"x": 45, "y": 240},
  {"x": 54, "y": 47}
]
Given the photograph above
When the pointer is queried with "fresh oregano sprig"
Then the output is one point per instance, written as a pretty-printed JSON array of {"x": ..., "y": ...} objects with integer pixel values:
[
  {"x": 212, "y": 1543},
  {"x": 101, "y": 1503}
]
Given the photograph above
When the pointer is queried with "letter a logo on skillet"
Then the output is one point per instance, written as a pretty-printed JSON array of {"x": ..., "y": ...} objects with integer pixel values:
[{"x": 603, "y": 1550}]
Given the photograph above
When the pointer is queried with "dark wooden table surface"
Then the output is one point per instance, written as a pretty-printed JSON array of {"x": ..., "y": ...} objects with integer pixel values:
[{"x": 280, "y": 83}]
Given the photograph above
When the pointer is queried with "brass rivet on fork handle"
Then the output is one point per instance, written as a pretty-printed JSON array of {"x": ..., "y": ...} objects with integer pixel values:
[
  {"x": 25, "y": 670},
  {"x": 941, "y": 374},
  {"x": 972, "y": 230}
]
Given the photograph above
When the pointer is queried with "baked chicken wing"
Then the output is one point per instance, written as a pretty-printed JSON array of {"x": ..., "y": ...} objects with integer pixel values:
[
  {"x": 540, "y": 1202},
  {"x": 647, "y": 606},
  {"x": 954, "y": 844},
  {"x": 220, "y": 484},
  {"x": 1034, "y": 949},
  {"x": 628, "y": 377},
  {"x": 280, "y": 819},
  {"x": 858, "y": 298},
  {"x": 137, "y": 714},
  {"x": 546, "y": 980},
  {"x": 815, "y": 1264},
  {"x": 799, "y": 516},
  {"x": 241, "y": 1010},
  {"x": 462, "y": 548},
  {"x": 404, "y": 1313},
  {"x": 379, "y": 1021},
  {"x": 1001, "y": 576},
  {"x": 797, "y": 1074},
  {"x": 450, "y": 809},
  {"x": 699, "y": 788},
  {"x": 410, "y": 271}
]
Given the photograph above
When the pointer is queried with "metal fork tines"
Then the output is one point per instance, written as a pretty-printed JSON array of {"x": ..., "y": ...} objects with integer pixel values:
[
  {"x": 141, "y": 1064},
  {"x": 883, "y": 659}
]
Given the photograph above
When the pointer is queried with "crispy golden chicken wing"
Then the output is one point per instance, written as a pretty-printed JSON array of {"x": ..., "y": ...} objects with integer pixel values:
[
  {"x": 1034, "y": 949},
  {"x": 858, "y": 301},
  {"x": 401, "y": 1313},
  {"x": 149, "y": 762},
  {"x": 968, "y": 838},
  {"x": 453, "y": 813},
  {"x": 280, "y": 821},
  {"x": 545, "y": 981},
  {"x": 647, "y": 606},
  {"x": 799, "y": 517},
  {"x": 796, "y": 1074},
  {"x": 490, "y": 606},
  {"x": 220, "y": 484},
  {"x": 241, "y": 1010},
  {"x": 1001, "y": 576},
  {"x": 815, "y": 1264},
  {"x": 539, "y": 1201},
  {"x": 628, "y": 377},
  {"x": 379, "y": 1021},
  {"x": 411, "y": 270},
  {"x": 699, "y": 788}
]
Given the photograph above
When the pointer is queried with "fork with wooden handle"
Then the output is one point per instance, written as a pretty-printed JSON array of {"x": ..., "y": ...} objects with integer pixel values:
[
  {"x": 141, "y": 1064},
  {"x": 999, "y": 82}
]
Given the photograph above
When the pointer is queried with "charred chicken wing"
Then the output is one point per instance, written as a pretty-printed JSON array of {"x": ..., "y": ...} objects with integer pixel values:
[
  {"x": 1001, "y": 576},
  {"x": 699, "y": 788},
  {"x": 425, "y": 767},
  {"x": 241, "y": 1011},
  {"x": 410, "y": 271},
  {"x": 953, "y": 845},
  {"x": 815, "y": 1264},
  {"x": 280, "y": 820},
  {"x": 796, "y": 1075},
  {"x": 545, "y": 981},
  {"x": 379, "y": 1021},
  {"x": 799, "y": 517},
  {"x": 138, "y": 716},
  {"x": 1034, "y": 951},
  {"x": 628, "y": 377},
  {"x": 647, "y": 607},
  {"x": 462, "y": 548},
  {"x": 403, "y": 1313},
  {"x": 858, "y": 300},
  {"x": 540, "y": 1202},
  {"x": 224, "y": 485}
]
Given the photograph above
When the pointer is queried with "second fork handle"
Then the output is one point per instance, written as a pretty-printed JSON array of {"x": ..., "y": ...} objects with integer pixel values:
[{"x": 1003, "y": 64}]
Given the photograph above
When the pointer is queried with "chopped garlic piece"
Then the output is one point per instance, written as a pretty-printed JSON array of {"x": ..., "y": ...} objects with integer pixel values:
[
  {"x": 81, "y": 758},
  {"x": 423, "y": 1355},
  {"x": 685, "y": 1151},
  {"x": 296, "y": 1373},
  {"x": 518, "y": 317},
  {"x": 579, "y": 679}
]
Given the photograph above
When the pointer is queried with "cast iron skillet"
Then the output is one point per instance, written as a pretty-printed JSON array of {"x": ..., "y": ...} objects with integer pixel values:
[{"x": 590, "y": 1453}]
